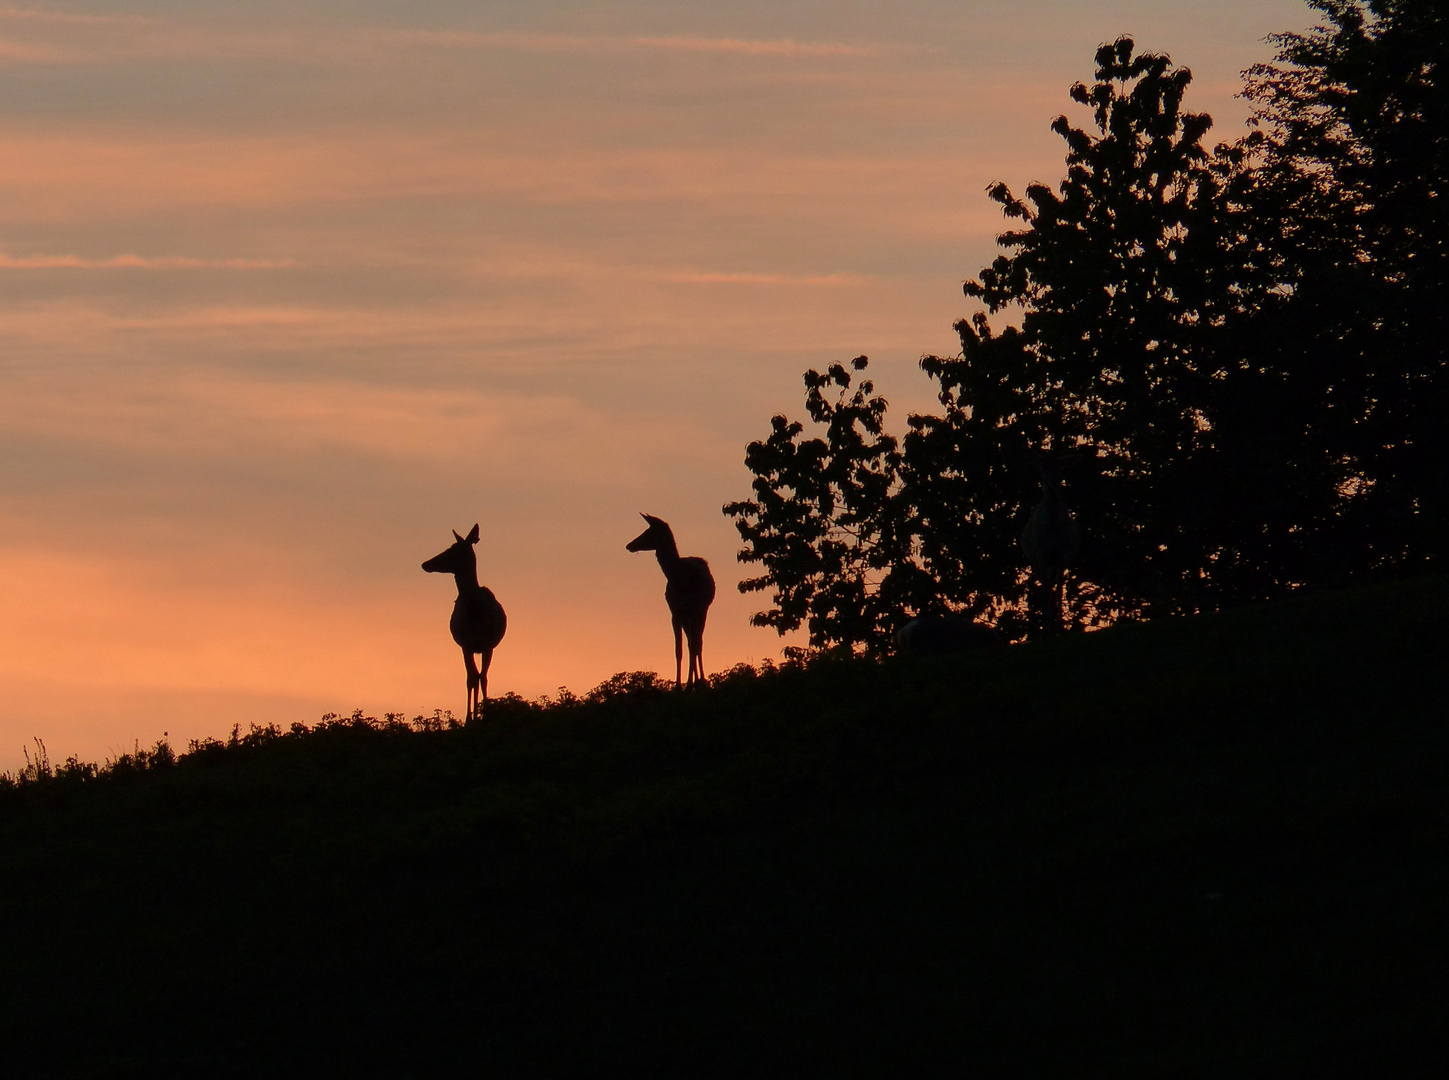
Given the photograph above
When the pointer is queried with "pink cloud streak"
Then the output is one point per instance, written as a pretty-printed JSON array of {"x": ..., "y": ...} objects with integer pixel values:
[
  {"x": 825, "y": 280},
  {"x": 159, "y": 36},
  {"x": 136, "y": 262},
  {"x": 72, "y": 18},
  {"x": 572, "y": 43}
]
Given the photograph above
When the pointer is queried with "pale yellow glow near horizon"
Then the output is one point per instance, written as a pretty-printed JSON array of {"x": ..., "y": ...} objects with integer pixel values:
[{"x": 287, "y": 295}]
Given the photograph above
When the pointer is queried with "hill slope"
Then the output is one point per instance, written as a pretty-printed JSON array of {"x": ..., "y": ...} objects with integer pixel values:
[{"x": 1202, "y": 847}]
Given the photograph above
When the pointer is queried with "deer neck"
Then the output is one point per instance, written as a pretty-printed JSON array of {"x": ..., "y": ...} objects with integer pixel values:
[
  {"x": 467, "y": 580},
  {"x": 668, "y": 555}
]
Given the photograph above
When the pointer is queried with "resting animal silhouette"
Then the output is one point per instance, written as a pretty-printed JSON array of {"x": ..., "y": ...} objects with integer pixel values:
[
  {"x": 478, "y": 621},
  {"x": 689, "y": 592},
  {"x": 936, "y": 635},
  {"x": 1051, "y": 538}
]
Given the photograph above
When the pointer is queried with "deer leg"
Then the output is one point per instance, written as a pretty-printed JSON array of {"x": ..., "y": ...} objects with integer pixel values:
[
  {"x": 699, "y": 643},
  {"x": 696, "y": 656},
  {"x": 472, "y": 683},
  {"x": 678, "y": 652},
  {"x": 485, "y": 659}
]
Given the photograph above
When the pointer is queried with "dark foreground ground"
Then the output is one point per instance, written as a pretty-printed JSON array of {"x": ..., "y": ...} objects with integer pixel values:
[{"x": 1202, "y": 848}]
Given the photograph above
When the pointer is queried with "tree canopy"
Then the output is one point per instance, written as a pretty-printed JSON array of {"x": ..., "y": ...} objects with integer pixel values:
[{"x": 1235, "y": 356}]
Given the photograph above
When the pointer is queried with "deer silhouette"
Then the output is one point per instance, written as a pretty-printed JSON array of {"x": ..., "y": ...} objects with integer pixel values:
[
  {"x": 1051, "y": 538},
  {"x": 936, "y": 635},
  {"x": 478, "y": 621},
  {"x": 689, "y": 590}
]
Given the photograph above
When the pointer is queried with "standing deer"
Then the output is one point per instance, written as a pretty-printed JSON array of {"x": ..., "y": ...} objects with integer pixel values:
[
  {"x": 1051, "y": 539},
  {"x": 689, "y": 592},
  {"x": 478, "y": 621}
]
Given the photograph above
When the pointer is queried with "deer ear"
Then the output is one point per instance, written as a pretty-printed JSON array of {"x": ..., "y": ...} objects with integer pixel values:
[
  {"x": 456, "y": 536},
  {"x": 473, "y": 534}
]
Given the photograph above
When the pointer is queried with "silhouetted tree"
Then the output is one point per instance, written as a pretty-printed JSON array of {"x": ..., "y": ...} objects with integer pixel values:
[
  {"x": 1128, "y": 282},
  {"x": 966, "y": 473},
  {"x": 1237, "y": 355},
  {"x": 827, "y": 523},
  {"x": 1129, "y": 279},
  {"x": 1349, "y": 199},
  {"x": 1115, "y": 278}
]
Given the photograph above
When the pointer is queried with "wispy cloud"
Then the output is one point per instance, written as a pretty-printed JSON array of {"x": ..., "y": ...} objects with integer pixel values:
[
  {"x": 217, "y": 414},
  {"x": 72, "y": 18},
  {"x": 149, "y": 36},
  {"x": 97, "y": 175},
  {"x": 784, "y": 47},
  {"x": 30, "y": 52},
  {"x": 574, "y": 43},
  {"x": 826, "y": 280},
  {"x": 136, "y": 262}
]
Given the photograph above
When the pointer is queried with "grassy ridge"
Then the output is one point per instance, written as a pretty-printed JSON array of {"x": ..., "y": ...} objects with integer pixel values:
[{"x": 1205, "y": 847}]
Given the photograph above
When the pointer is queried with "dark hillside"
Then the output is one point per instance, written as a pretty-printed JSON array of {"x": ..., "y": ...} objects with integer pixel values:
[{"x": 1205, "y": 847}]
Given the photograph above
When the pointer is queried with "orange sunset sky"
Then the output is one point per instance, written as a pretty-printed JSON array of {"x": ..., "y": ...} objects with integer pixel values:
[{"x": 289, "y": 290}]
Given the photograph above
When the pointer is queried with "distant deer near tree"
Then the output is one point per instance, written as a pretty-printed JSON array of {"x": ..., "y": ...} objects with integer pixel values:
[
  {"x": 478, "y": 621},
  {"x": 1051, "y": 539},
  {"x": 689, "y": 590},
  {"x": 936, "y": 635}
]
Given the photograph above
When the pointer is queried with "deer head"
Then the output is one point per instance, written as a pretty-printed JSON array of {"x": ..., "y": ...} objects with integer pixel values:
[
  {"x": 457, "y": 559},
  {"x": 651, "y": 539}
]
